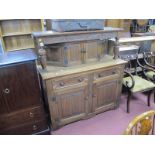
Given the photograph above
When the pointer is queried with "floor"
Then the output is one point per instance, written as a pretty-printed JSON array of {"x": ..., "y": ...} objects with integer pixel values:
[{"x": 112, "y": 122}]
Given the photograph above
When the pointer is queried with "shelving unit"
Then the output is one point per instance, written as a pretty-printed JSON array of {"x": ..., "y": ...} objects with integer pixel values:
[
  {"x": 121, "y": 23},
  {"x": 16, "y": 33}
]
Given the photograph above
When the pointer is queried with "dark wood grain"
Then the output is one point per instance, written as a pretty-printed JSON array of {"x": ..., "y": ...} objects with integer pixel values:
[
  {"x": 18, "y": 117},
  {"x": 21, "y": 105},
  {"x": 21, "y": 80},
  {"x": 25, "y": 129}
]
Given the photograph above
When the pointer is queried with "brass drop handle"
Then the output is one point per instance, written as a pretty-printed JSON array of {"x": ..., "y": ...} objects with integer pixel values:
[
  {"x": 31, "y": 114},
  {"x": 80, "y": 80},
  {"x": 6, "y": 90},
  {"x": 35, "y": 127},
  {"x": 99, "y": 75},
  {"x": 113, "y": 72},
  {"x": 62, "y": 83}
]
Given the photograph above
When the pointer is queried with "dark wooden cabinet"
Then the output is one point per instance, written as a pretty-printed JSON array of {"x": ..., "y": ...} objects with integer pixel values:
[{"x": 21, "y": 105}]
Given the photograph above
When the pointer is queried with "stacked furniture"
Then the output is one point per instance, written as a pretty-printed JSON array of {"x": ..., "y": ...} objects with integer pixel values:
[
  {"x": 128, "y": 47},
  {"x": 16, "y": 33},
  {"x": 79, "y": 77},
  {"x": 21, "y": 106},
  {"x": 140, "y": 26},
  {"x": 148, "y": 46},
  {"x": 135, "y": 73}
]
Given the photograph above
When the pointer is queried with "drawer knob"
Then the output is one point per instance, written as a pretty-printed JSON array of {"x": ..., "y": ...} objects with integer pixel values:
[
  {"x": 6, "y": 91},
  {"x": 113, "y": 72},
  {"x": 31, "y": 114},
  {"x": 94, "y": 95},
  {"x": 86, "y": 98},
  {"x": 62, "y": 83},
  {"x": 99, "y": 75},
  {"x": 80, "y": 80},
  {"x": 35, "y": 127}
]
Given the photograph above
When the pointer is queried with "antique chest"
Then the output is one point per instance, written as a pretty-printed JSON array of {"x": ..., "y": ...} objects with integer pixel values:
[
  {"x": 21, "y": 106},
  {"x": 62, "y": 25}
]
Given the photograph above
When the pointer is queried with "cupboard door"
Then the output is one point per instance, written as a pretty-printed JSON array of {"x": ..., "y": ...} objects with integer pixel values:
[
  {"x": 91, "y": 51},
  {"x": 19, "y": 87},
  {"x": 95, "y": 50},
  {"x": 64, "y": 54},
  {"x": 72, "y": 54},
  {"x": 3, "y": 103},
  {"x": 69, "y": 105},
  {"x": 105, "y": 94}
]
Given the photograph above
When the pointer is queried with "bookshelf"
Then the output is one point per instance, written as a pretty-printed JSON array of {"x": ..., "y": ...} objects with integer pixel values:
[{"x": 16, "y": 33}]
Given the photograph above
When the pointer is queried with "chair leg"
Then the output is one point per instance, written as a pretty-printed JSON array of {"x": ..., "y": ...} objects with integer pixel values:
[
  {"x": 149, "y": 98},
  {"x": 154, "y": 96},
  {"x": 128, "y": 102}
]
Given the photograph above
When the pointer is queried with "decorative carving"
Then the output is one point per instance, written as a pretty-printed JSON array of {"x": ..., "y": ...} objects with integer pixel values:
[
  {"x": 145, "y": 126},
  {"x": 42, "y": 56},
  {"x": 116, "y": 48}
]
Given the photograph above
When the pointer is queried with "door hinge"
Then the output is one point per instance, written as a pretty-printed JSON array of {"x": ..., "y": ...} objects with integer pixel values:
[
  {"x": 83, "y": 51},
  {"x": 53, "y": 98}
]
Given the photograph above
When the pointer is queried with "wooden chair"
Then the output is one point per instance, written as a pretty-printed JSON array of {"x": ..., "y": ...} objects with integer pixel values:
[
  {"x": 147, "y": 56},
  {"x": 149, "y": 74},
  {"x": 135, "y": 83},
  {"x": 143, "y": 124}
]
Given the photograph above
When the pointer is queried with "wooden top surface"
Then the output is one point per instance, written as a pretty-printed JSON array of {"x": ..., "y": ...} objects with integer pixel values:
[
  {"x": 54, "y": 71},
  {"x": 53, "y": 33},
  {"x": 17, "y": 57},
  {"x": 128, "y": 47},
  {"x": 136, "y": 39},
  {"x": 144, "y": 34}
]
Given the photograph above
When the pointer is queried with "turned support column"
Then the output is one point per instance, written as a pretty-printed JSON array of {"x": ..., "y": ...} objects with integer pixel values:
[
  {"x": 42, "y": 56},
  {"x": 116, "y": 48}
]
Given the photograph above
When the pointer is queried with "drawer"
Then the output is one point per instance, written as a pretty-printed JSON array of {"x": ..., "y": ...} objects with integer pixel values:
[
  {"x": 22, "y": 116},
  {"x": 25, "y": 129},
  {"x": 109, "y": 72},
  {"x": 69, "y": 81}
]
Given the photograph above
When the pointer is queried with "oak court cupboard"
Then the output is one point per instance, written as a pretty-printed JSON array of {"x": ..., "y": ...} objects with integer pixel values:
[{"x": 80, "y": 78}]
